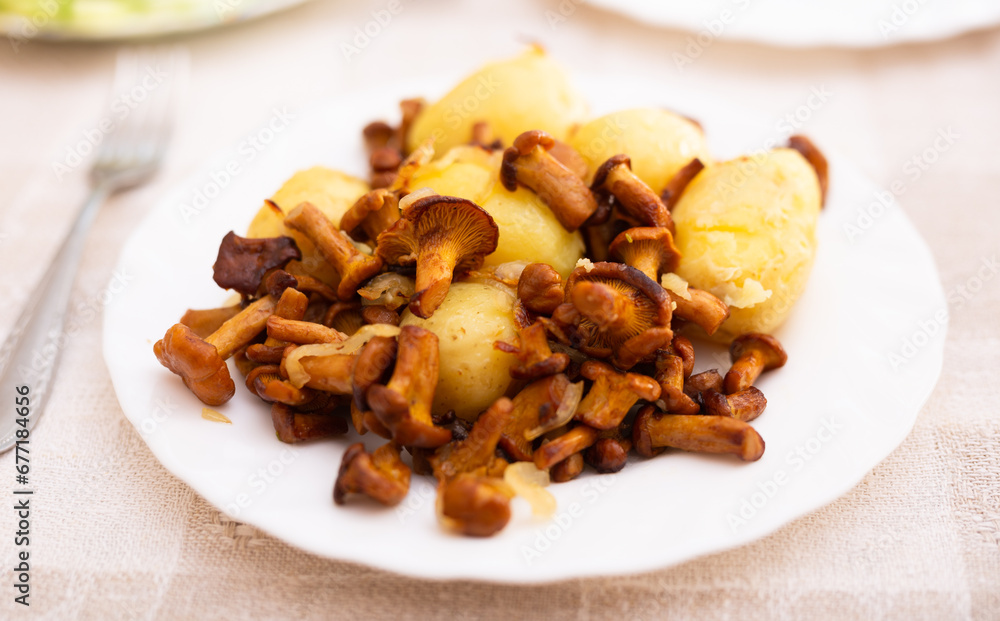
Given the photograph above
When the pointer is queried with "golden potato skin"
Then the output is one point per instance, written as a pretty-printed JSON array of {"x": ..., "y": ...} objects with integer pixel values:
[
  {"x": 472, "y": 373},
  {"x": 746, "y": 230},
  {"x": 529, "y": 231},
  {"x": 659, "y": 142},
  {"x": 529, "y": 91}
]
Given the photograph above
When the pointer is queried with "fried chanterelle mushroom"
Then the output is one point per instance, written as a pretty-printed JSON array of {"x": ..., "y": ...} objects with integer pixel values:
[{"x": 443, "y": 236}]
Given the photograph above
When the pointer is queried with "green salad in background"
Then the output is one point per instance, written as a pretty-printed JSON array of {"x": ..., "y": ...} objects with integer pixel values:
[{"x": 90, "y": 19}]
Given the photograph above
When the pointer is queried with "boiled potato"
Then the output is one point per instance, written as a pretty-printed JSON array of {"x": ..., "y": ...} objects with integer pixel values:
[
  {"x": 746, "y": 230},
  {"x": 659, "y": 142},
  {"x": 529, "y": 231},
  {"x": 472, "y": 374},
  {"x": 332, "y": 191},
  {"x": 513, "y": 96}
]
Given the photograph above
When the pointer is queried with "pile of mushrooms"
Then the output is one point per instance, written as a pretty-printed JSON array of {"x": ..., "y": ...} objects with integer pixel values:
[{"x": 602, "y": 367}]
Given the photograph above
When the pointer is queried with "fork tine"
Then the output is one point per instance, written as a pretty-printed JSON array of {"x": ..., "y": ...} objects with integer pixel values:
[{"x": 142, "y": 110}]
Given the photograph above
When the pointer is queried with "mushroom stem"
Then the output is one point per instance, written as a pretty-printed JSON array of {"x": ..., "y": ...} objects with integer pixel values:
[
  {"x": 646, "y": 263},
  {"x": 530, "y": 164},
  {"x": 537, "y": 400},
  {"x": 679, "y": 182},
  {"x": 353, "y": 266},
  {"x": 403, "y": 406},
  {"x": 382, "y": 476},
  {"x": 291, "y": 305},
  {"x": 534, "y": 356},
  {"x": 540, "y": 288},
  {"x": 569, "y": 443},
  {"x": 205, "y": 322},
  {"x": 700, "y": 383},
  {"x": 242, "y": 328},
  {"x": 331, "y": 373},
  {"x": 703, "y": 309},
  {"x": 636, "y": 198},
  {"x": 752, "y": 354},
  {"x": 612, "y": 395},
  {"x": 745, "y": 405},
  {"x": 476, "y": 506},
  {"x": 373, "y": 213},
  {"x": 435, "y": 266},
  {"x": 706, "y": 434},
  {"x": 291, "y": 426},
  {"x": 478, "y": 450},
  {"x": 301, "y": 332},
  {"x": 670, "y": 375}
]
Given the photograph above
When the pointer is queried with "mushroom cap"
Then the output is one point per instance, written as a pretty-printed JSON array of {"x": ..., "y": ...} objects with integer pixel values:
[
  {"x": 770, "y": 350},
  {"x": 523, "y": 145},
  {"x": 645, "y": 241},
  {"x": 540, "y": 288},
  {"x": 530, "y": 164},
  {"x": 612, "y": 395},
  {"x": 398, "y": 245},
  {"x": 242, "y": 261},
  {"x": 198, "y": 363},
  {"x": 637, "y": 200},
  {"x": 467, "y": 222},
  {"x": 381, "y": 476}
]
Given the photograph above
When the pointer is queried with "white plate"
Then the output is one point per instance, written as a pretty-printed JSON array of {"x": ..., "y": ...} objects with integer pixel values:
[
  {"x": 839, "y": 400},
  {"x": 103, "y": 20},
  {"x": 793, "y": 23}
]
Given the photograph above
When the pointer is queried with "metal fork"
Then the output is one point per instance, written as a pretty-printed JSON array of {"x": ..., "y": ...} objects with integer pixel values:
[{"x": 142, "y": 101}]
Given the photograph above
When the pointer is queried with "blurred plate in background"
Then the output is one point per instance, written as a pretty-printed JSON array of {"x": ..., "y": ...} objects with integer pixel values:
[
  {"x": 792, "y": 23},
  {"x": 98, "y": 20}
]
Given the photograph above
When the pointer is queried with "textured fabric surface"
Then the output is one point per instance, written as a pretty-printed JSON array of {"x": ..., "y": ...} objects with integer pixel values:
[{"x": 115, "y": 536}]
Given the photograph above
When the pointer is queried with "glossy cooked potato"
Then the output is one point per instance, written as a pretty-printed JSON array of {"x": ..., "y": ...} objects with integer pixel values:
[
  {"x": 527, "y": 92},
  {"x": 659, "y": 142},
  {"x": 472, "y": 374},
  {"x": 529, "y": 231},
  {"x": 746, "y": 230}
]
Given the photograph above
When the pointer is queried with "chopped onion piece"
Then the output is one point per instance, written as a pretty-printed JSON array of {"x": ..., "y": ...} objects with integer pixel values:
[
  {"x": 215, "y": 416},
  {"x": 407, "y": 200},
  {"x": 510, "y": 272},
  {"x": 673, "y": 282},
  {"x": 529, "y": 483},
  {"x": 586, "y": 264},
  {"x": 565, "y": 411},
  {"x": 293, "y": 363},
  {"x": 389, "y": 289}
]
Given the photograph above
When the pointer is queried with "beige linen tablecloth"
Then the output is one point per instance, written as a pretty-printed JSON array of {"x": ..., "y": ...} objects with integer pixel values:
[{"x": 115, "y": 536}]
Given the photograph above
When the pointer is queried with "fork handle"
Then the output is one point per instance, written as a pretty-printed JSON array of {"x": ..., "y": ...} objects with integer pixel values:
[{"x": 30, "y": 354}]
